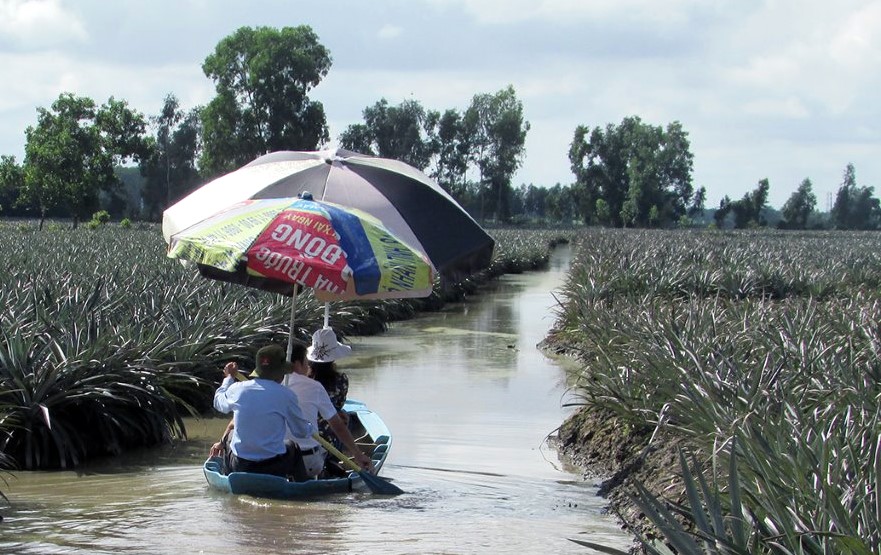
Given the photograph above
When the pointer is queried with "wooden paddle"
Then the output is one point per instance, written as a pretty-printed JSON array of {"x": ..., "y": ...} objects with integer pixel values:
[{"x": 375, "y": 483}]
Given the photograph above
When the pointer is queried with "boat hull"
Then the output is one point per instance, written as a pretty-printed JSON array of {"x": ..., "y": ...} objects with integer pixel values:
[{"x": 371, "y": 434}]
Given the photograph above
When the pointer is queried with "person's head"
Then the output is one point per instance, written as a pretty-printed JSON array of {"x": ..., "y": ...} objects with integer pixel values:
[
  {"x": 326, "y": 348},
  {"x": 271, "y": 363},
  {"x": 299, "y": 363},
  {"x": 324, "y": 372}
]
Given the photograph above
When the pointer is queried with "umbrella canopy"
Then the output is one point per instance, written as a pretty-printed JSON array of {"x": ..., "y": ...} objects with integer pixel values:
[
  {"x": 408, "y": 203},
  {"x": 276, "y": 244}
]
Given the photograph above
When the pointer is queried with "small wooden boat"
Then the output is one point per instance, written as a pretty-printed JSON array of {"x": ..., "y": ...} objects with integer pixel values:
[{"x": 371, "y": 435}]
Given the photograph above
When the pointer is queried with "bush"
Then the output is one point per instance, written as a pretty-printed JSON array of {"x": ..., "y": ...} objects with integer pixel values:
[{"x": 99, "y": 218}]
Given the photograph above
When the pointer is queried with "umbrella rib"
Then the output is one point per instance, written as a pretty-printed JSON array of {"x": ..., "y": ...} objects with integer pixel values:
[{"x": 329, "y": 162}]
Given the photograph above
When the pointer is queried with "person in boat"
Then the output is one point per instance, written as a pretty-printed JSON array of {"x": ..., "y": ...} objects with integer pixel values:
[
  {"x": 263, "y": 412},
  {"x": 322, "y": 356},
  {"x": 315, "y": 402}
]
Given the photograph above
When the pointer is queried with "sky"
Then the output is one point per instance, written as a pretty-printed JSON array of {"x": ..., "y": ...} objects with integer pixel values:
[{"x": 776, "y": 89}]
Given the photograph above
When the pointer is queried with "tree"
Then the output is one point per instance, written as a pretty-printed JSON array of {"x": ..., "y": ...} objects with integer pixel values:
[
  {"x": 495, "y": 126},
  {"x": 855, "y": 207},
  {"x": 403, "y": 132},
  {"x": 262, "y": 77},
  {"x": 11, "y": 182},
  {"x": 560, "y": 204},
  {"x": 799, "y": 207},
  {"x": 698, "y": 202},
  {"x": 452, "y": 148},
  {"x": 71, "y": 153},
  {"x": 641, "y": 172},
  {"x": 358, "y": 138},
  {"x": 534, "y": 200},
  {"x": 722, "y": 212},
  {"x": 170, "y": 169},
  {"x": 748, "y": 210}
]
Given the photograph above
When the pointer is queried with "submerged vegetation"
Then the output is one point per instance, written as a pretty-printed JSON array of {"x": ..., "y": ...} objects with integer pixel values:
[
  {"x": 105, "y": 344},
  {"x": 758, "y": 354}
]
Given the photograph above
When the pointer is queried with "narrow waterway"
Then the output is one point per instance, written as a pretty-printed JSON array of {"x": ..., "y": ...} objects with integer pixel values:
[{"x": 470, "y": 402}]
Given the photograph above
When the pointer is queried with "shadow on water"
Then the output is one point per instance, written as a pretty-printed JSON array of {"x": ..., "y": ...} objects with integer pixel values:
[{"x": 470, "y": 401}]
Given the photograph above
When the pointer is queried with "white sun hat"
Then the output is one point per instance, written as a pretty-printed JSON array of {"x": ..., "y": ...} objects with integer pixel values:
[{"x": 326, "y": 348}]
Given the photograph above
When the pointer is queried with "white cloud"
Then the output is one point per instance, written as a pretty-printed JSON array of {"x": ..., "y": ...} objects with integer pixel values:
[
  {"x": 389, "y": 32},
  {"x": 143, "y": 87},
  {"x": 794, "y": 48},
  {"x": 857, "y": 44},
  {"x": 778, "y": 88},
  {"x": 572, "y": 11},
  {"x": 789, "y": 107},
  {"x": 32, "y": 24}
]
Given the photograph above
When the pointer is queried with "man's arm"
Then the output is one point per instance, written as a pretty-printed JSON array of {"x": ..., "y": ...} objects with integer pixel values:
[
  {"x": 221, "y": 403},
  {"x": 217, "y": 448}
]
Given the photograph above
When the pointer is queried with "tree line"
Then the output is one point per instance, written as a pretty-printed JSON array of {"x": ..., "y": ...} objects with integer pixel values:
[{"x": 81, "y": 157}]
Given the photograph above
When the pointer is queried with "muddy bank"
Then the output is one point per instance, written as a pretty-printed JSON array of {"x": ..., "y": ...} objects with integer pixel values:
[{"x": 602, "y": 446}]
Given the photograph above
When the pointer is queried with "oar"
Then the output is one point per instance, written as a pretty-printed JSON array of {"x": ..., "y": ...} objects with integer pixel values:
[{"x": 375, "y": 483}]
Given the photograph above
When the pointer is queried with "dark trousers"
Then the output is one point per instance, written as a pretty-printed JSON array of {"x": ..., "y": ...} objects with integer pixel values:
[{"x": 288, "y": 464}]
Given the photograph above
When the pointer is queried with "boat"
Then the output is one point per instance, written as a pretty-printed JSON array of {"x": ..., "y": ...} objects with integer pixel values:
[{"x": 371, "y": 435}]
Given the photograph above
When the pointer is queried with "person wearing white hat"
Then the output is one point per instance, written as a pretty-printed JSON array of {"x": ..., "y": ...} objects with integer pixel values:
[
  {"x": 315, "y": 402},
  {"x": 322, "y": 356}
]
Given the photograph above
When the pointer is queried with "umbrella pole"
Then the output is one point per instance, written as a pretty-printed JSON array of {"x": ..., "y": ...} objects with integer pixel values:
[
  {"x": 326, "y": 314},
  {"x": 291, "y": 328}
]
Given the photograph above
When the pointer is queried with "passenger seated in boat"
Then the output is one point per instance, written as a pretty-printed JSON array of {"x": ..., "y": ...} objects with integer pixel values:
[
  {"x": 322, "y": 356},
  {"x": 263, "y": 412},
  {"x": 315, "y": 402}
]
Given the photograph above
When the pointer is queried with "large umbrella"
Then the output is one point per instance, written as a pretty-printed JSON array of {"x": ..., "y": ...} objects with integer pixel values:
[
  {"x": 341, "y": 253},
  {"x": 285, "y": 244},
  {"x": 409, "y": 203}
]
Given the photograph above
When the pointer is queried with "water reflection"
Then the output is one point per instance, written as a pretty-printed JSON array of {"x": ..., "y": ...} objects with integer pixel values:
[{"x": 470, "y": 401}]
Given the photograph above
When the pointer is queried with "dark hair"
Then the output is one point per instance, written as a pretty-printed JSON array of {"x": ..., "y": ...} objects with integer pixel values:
[
  {"x": 298, "y": 351},
  {"x": 324, "y": 373}
]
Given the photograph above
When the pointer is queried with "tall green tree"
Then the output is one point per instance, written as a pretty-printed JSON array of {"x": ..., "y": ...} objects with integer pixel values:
[
  {"x": 748, "y": 210},
  {"x": 534, "y": 200},
  {"x": 799, "y": 206},
  {"x": 170, "y": 170},
  {"x": 11, "y": 182},
  {"x": 497, "y": 129},
  {"x": 855, "y": 207},
  {"x": 71, "y": 152},
  {"x": 262, "y": 78},
  {"x": 642, "y": 173},
  {"x": 403, "y": 132},
  {"x": 453, "y": 146},
  {"x": 699, "y": 201},
  {"x": 722, "y": 212},
  {"x": 560, "y": 204}
]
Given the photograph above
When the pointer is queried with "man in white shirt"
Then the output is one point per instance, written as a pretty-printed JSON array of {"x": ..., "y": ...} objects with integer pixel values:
[
  {"x": 314, "y": 402},
  {"x": 264, "y": 412}
]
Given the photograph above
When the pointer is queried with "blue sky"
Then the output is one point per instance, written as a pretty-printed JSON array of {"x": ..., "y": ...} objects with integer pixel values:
[{"x": 777, "y": 89}]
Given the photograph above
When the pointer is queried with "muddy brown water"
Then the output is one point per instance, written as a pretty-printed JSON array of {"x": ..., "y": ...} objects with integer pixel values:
[{"x": 469, "y": 400}]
